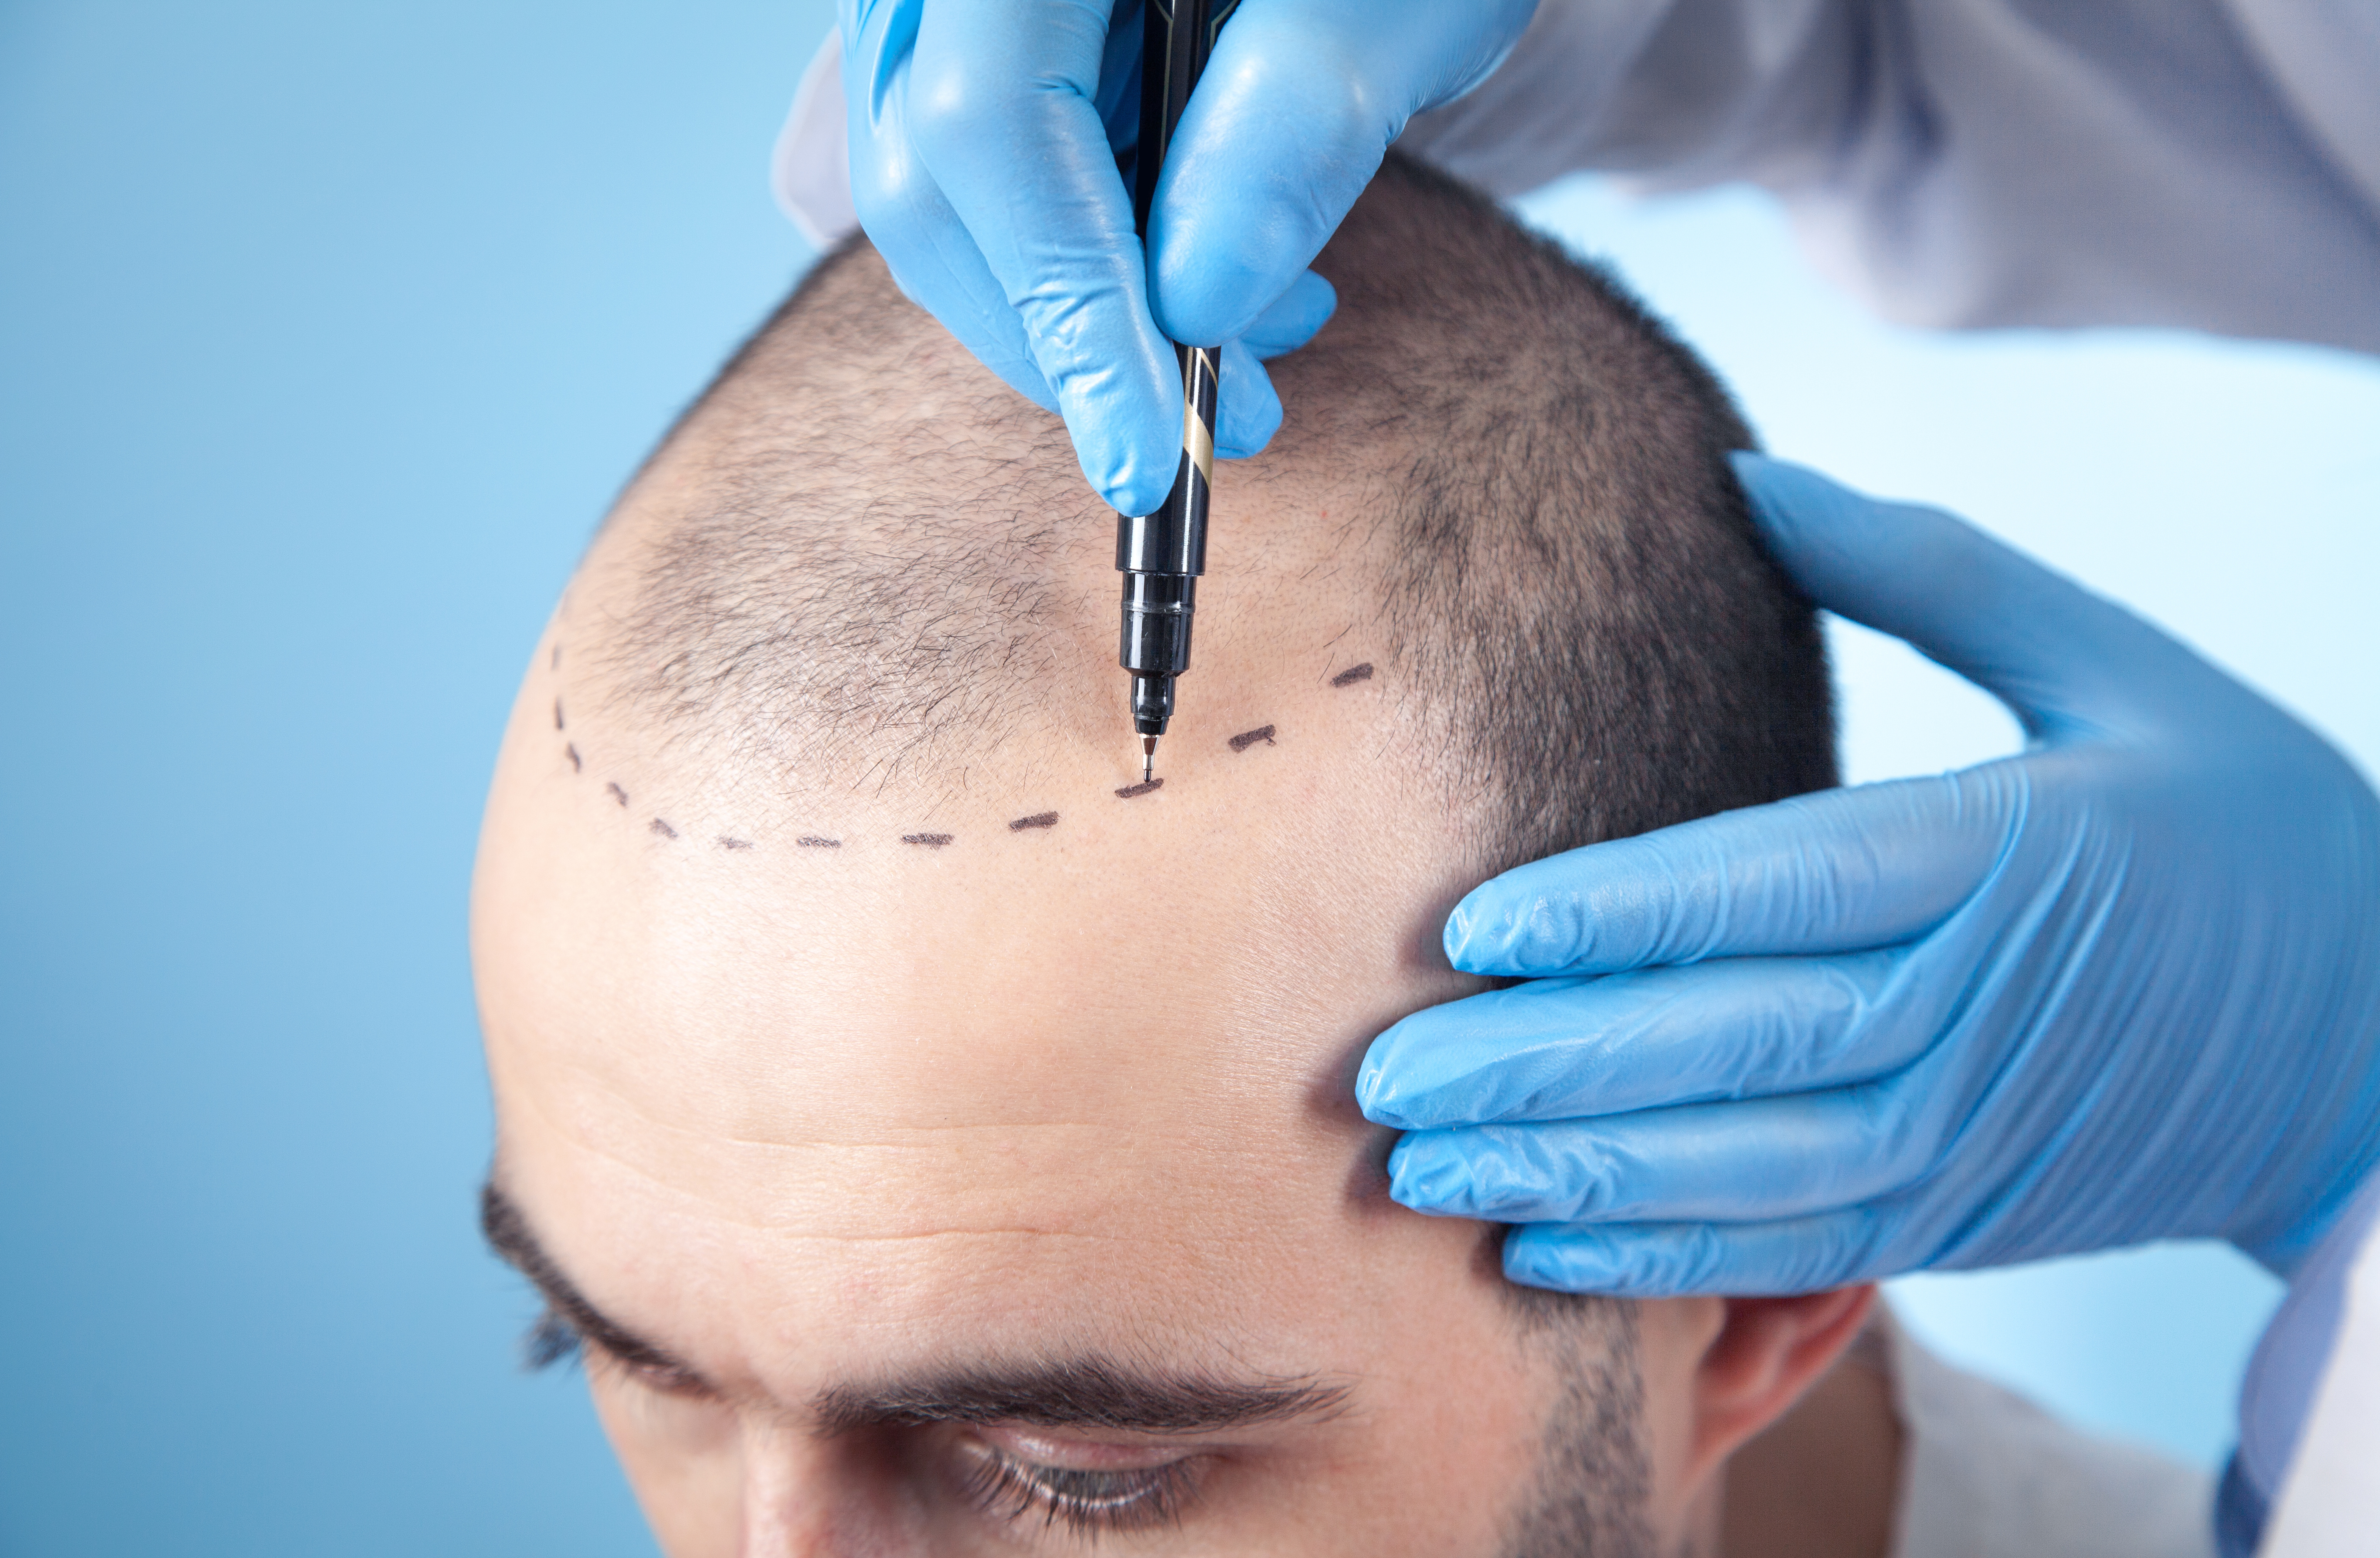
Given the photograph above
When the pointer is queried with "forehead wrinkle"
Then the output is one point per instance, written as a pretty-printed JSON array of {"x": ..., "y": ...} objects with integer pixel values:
[
  {"x": 909, "y": 1236},
  {"x": 1180, "y": 1130},
  {"x": 1190, "y": 1137},
  {"x": 1141, "y": 1236},
  {"x": 1139, "y": 1230}
]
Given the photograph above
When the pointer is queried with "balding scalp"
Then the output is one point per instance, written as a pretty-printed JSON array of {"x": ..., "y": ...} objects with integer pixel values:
[{"x": 860, "y": 580}]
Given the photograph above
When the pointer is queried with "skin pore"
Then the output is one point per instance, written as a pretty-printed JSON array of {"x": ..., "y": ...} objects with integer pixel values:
[{"x": 1006, "y": 1194}]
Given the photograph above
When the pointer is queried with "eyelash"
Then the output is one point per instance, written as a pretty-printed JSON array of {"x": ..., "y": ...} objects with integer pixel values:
[
  {"x": 1084, "y": 1501},
  {"x": 552, "y": 1342}
]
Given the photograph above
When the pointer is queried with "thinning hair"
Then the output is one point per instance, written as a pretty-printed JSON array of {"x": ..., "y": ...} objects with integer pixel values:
[{"x": 863, "y": 584}]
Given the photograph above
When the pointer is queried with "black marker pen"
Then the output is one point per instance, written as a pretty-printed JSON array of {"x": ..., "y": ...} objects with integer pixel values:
[{"x": 1162, "y": 554}]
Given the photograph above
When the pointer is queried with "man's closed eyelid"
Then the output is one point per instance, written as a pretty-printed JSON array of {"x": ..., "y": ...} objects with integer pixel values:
[
  {"x": 1085, "y": 1501},
  {"x": 1039, "y": 1447}
]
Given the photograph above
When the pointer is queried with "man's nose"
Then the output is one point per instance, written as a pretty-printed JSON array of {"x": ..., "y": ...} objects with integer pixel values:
[{"x": 808, "y": 1497}]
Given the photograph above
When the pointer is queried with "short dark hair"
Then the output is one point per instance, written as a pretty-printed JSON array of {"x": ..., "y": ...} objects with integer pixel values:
[
  {"x": 1578, "y": 581},
  {"x": 1571, "y": 582}
]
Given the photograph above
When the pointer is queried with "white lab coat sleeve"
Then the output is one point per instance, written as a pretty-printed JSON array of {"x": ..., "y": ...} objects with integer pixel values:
[
  {"x": 2330, "y": 1504},
  {"x": 809, "y": 170},
  {"x": 2202, "y": 163},
  {"x": 2310, "y": 1405}
]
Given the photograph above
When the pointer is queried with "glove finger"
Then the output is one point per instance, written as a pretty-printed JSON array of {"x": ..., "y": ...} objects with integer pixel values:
[
  {"x": 1299, "y": 102},
  {"x": 1002, "y": 104},
  {"x": 1294, "y": 317},
  {"x": 1756, "y": 1161},
  {"x": 2064, "y": 660},
  {"x": 1671, "y": 1260},
  {"x": 1841, "y": 871},
  {"x": 906, "y": 215},
  {"x": 1564, "y": 1049},
  {"x": 1248, "y": 411}
]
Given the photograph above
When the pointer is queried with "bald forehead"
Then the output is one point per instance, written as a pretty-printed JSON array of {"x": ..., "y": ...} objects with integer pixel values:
[{"x": 1228, "y": 934}]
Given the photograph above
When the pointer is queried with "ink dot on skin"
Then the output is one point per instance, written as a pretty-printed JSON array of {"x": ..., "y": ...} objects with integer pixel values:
[
  {"x": 1038, "y": 820},
  {"x": 617, "y": 793},
  {"x": 570, "y": 750},
  {"x": 1141, "y": 789},
  {"x": 1248, "y": 739},
  {"x": 726, "y": 843},
  {"x": 1353, "y": 674},
  {"x": 931, "y": 841},
  {"x": 812, "y": 841},
  {"x": 557, "y": 713},
  {"x": 662, "y": 828}
]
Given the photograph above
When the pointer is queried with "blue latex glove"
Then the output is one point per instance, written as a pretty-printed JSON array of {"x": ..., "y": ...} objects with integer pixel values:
[
  {"x": 2123, "y": 986},
  {"x": 983, "y": 166}
]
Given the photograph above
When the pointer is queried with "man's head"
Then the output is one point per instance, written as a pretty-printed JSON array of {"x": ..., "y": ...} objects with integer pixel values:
[{"x": 947, "y": 1148}]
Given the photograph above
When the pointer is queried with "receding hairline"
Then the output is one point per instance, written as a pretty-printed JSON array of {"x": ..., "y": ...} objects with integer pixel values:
[{"x": 762, "y": 627}]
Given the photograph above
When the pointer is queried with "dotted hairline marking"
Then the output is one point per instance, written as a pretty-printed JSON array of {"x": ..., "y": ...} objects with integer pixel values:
[{"x": 1038, "y": 820}]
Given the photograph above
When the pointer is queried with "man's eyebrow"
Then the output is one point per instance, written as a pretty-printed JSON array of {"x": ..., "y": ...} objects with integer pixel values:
[
  {"x": 1077, "y": 1393},
  {"x": 509, "y": 1235}
]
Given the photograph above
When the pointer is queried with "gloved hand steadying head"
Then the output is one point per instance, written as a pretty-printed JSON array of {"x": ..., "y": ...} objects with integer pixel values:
[
  {"x": 983, "y": 164},
  {"x": 2124, "y": 986}
]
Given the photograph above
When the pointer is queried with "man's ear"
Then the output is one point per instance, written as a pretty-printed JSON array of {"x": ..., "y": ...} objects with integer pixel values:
[{"x": 1764, "y": 1353}]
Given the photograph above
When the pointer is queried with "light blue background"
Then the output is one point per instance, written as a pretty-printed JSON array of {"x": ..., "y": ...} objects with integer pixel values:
[{"x": 326, "y": 332}]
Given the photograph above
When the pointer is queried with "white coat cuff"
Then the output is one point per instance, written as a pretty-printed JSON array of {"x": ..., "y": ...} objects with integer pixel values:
[{"x": 809, "y": 172}]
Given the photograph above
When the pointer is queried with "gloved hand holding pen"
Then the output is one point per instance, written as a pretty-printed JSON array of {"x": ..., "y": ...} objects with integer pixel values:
[
  {"x": 984, "y": 141},
  {"x": 2122, "y": 987}
]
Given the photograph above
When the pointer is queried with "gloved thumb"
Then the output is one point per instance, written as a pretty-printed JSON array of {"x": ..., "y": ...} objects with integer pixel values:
[{"x": 2063, "y": 659}]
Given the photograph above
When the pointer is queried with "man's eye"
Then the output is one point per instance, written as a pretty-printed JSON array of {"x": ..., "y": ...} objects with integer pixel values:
[{"x": 1083, "y": 1499}]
